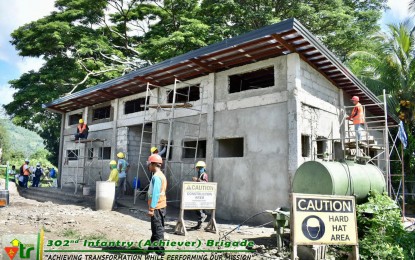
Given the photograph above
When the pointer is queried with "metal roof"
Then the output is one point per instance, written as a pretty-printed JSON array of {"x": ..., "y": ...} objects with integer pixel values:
[{"x": 283, "y": 38}]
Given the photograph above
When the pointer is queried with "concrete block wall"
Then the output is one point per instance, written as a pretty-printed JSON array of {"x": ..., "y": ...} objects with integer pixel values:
[
  {"x": 259, "y": 179},
  {"x": 320, "y": 106}
]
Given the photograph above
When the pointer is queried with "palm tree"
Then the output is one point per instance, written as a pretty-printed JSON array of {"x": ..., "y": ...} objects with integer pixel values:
[{"x": 390, "y": 66}]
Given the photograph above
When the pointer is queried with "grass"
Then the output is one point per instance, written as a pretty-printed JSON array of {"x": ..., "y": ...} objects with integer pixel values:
[
  {"x": 71, "y": 233},
  {"x": 95, "y": 236}
]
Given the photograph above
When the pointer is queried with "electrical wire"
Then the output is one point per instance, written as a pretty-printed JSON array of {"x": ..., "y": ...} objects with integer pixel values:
[{"x": 238, "y": 226}]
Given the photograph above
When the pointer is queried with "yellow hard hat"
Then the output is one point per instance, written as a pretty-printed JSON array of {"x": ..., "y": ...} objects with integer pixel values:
[
  {"x": 120, "y": 155},
  {"x": 201, "y": 164},
  {"x": 153, "y": 149},
  {"x": 81, "y": 121},
  {"x": 113, "y": 162}
]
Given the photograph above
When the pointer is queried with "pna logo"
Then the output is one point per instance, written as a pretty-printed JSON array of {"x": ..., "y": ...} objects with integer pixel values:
[{"x": 23, "y": 247}]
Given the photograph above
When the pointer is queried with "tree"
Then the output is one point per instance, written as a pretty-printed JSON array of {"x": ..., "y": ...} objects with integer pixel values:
[
  {"x": 391, "y": 66},
  {"x": 87, "y": 42}
]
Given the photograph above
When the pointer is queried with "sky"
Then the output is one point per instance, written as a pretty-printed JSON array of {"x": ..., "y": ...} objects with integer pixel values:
[{"x": 15, "y": 13}]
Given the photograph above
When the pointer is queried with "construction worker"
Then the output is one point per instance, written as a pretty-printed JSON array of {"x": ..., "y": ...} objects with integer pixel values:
[
  {"x": 25, "y": 170},
  {"x": 358, "y": 117},
  {"x": 155, "y": 150},
  {"x": 38, "y": 173},
  {"x": 12, "y": 173},
  {"x": 114, "y": 178},
  {"x": 157, "y": 201},
  {"x": 201, "y": 177},
  {"x": 122, "y": 166},
  {"x": 81, "y": 130}
]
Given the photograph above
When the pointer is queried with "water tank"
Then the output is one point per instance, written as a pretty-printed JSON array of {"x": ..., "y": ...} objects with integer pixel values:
[{"x": 338, "y": 178}]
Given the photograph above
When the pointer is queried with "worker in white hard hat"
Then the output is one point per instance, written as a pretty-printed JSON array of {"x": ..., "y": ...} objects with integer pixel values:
[
  {"x": 38, "y": 173},
  {"x": 358, "y": 117},
  {"x": 201, "y": 176},
  {"x": 122, "y": 166},
  {"x": 81, "y": 130},
  {"x": 25, "y": 171}
]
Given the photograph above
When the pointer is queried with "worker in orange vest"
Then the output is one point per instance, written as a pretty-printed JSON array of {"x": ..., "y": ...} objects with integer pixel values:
[
  {"x": 25, "y": 171},
  {"x": 81, "y": 130},
  {"x": 157, "y": 201},
  {"x": 357, "y": 116}
]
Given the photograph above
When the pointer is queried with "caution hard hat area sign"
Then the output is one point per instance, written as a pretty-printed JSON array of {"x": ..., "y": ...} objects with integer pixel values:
[{"x": 321, "y": 219}]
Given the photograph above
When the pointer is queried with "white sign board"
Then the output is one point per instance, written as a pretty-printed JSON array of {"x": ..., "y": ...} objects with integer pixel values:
[
  {"x": 322, "y": 219},
  {"x": 199, "y": 195}
]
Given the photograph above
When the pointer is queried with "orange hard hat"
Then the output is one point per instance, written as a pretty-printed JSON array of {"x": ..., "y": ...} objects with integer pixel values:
[
  {"x": 155, "y": 158},
  {"x": 355, "y": 98}
]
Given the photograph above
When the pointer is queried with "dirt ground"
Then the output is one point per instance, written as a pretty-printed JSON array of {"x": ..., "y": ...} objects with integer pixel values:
[{"x": 80, "y": 223}]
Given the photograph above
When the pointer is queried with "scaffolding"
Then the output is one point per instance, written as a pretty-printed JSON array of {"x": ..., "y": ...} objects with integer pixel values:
[
  {"x": 85, "y": 163},
  {"x": 169, "y": 113},
  {"x": 377, "y": 146}
]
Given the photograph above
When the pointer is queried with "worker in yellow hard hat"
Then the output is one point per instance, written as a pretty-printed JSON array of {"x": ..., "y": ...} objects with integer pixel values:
[
  {"x": 114, "y": 178},
  {"x": 155, "y": 150},
  {"x": 122, "y": 167},
  {"x": 201, "y": 176},
  {"x": 81, "y": 130}
]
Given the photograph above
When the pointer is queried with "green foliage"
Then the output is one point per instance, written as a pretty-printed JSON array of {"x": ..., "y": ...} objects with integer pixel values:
[
  {"x": 19, "y": 143},
  {"x": 390, "y": 65},
  {"x": 381, "y": 233}
]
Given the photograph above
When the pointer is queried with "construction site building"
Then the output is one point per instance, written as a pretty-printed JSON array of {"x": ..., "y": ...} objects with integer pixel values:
[{"x": 260, "y": 105}]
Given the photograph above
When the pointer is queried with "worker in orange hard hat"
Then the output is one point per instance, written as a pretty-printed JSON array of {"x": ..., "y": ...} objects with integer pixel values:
[
  {"x": 81, "y": 130},
  {"x": 157, "y": 201},
  {"x": 357, "y": 116}
]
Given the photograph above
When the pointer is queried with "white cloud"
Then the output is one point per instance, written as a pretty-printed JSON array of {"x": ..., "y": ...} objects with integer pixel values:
[
  {"x": 14, "y": 14},
  {"x": 27, "y": 64},
  {"x": 399, "y": 8},
  {"x": 6, "y": 94}
]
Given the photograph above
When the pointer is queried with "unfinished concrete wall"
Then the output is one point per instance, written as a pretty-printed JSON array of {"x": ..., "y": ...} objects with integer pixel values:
[
  {"x": 257, "y": 179},
  {"x": 134, "y": 141},
  {"x": 321, "y": 114}
]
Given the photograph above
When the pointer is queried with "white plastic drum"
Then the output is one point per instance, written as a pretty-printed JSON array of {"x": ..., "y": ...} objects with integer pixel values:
[{"x": 105, "y": 193}]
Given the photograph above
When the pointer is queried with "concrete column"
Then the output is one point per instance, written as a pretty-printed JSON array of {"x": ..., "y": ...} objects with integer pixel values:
[
  {"x": 343, "y": 122},
  {"x": 114, "y": 128},
  {"x": 209, "y": 99},
  {"x": 61, "y": 140},
  {"x": 294, "y": 113},
  {"x": 122, "y": 140}
]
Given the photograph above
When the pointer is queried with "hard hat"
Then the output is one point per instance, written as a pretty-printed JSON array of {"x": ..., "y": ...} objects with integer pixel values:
[
  {"x": 113, "y": 162},
  {"x": 38, "y": 164},
  {"x": 81, "y": 121},
  {"x": 201, "y": 164},
  {"x": 355, "y": 98},
  {"x": 155, "y": 158},
  {"x": 26, "y": 160},
  {"x": 153, "y": 149},
  {"x": 120, "y": 155}
]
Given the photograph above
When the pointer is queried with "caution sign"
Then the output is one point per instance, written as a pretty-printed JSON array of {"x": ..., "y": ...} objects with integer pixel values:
[
  {"x": 321, "y": 219},
  {"x": 199, "y": 195}
]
